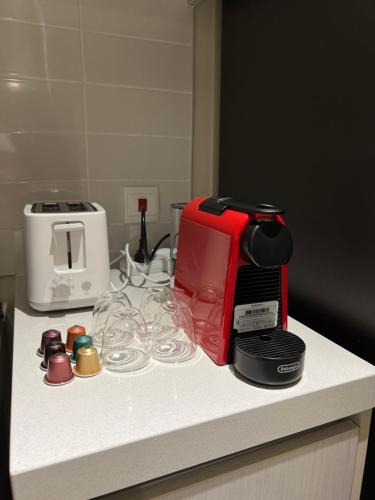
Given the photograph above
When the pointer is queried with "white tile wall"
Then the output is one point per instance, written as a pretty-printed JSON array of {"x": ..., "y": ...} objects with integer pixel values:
[
  {"x": 52, "y": 12},
  {"x": 139, "y": 156},
  {"x": 137, "y": 63},
  {"x": 45, "y": 53},
  {"x": 138, "y": 111},
  {"x": 38, "y": 156},
  {"x": 164, "y": 20},
  {"x": 95, "y": 95},
  {"x": 29, "y": 105}
]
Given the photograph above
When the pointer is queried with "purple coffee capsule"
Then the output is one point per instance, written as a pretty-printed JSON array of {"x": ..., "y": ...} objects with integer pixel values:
[
  {"x": 47, "y": 336},
  {"x": 51, "y": 348}
]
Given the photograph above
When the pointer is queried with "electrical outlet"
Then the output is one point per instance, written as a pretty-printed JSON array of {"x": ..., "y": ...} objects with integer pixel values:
[{"x": 132, "y": 195}]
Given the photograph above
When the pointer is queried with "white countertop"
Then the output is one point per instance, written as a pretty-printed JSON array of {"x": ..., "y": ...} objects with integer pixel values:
[{"x": 105, "y": 433}]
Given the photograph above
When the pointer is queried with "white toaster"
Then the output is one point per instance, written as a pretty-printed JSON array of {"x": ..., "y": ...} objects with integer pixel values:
[{"x": 67, "y": 254}]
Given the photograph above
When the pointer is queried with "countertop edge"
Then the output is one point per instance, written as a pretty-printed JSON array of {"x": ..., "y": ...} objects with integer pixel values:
[{"x": 123, "y": 462}]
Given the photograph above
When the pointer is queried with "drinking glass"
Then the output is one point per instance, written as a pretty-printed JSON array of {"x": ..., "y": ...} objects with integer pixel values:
[
  {"x": 107, "y": 303},
  {"x": 152, "y": 299},
  {"x": 134, "y": 351},
  {"x": 207, "y": 309},
  {"x": 110, "y": 297},
  {"x": 173, "y": 339}
]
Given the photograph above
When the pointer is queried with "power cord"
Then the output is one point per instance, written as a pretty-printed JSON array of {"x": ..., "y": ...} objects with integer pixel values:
[
  {"x": 156, "y": 248},
  {"x": 130, "y": 264},
  {"x": 141, "y": 256},
  {"x": 133, "y": 264}
]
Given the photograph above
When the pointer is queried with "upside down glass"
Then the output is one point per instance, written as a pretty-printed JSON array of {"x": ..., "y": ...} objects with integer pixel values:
[
  {"x": 207, "y": 304},
  {"x": 134, "y": 351},
  {"x": 111, "y": 296},
  {"x": 152, "y": 299},
  {"x": 173, "y": 339},
  {"x": 104, "y": 306}
]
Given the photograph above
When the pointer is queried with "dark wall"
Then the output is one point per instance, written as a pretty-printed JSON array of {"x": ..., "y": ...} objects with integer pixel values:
[{"x": 298, "y": 130}]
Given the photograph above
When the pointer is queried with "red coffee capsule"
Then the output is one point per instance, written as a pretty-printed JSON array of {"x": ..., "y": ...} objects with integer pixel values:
[{"x": 59, "y": 370}]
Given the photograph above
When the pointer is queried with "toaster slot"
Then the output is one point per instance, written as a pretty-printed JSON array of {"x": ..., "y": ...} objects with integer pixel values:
[
  {"x": 68, "y": 246},
  {"x": 69, "y": 249},
  {"x": 62, "y": 207}
]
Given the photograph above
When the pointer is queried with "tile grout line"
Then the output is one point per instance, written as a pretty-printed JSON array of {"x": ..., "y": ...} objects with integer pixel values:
[
  {"x": 152, "y": 180},
  {"x": 20, "y": 76},
  {"x": 15, "y": 76},
  {"x": 35, "y": 23},
  {"x": 155, "y": 136},
  {"x": 42, "y": 181},
  {"x": 93, "y": 32},
  {"x": 84, "y": 98},
  {"x": 137, "y": 87},
  {"x": 141, "y": 38},
  {"x": 82, "y": 132},
  {"x": 76, "y": 181}
]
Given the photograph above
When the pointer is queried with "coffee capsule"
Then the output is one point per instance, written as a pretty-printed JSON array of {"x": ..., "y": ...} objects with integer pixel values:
[
  {"x": 59, "y": 370},
  {"x": 47, "y": 336},
  {"x": 51, "y": 348},
  {"x": 81, "y": 341},
  {"x": 72, "y": 333},
  {"x": 87, "y": 364}
]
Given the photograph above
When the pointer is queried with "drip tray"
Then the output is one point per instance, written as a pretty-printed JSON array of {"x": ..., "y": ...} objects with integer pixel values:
[{"x": 275, "y": 358}]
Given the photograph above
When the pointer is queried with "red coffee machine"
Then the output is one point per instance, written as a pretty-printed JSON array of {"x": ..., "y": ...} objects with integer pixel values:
[{"x": 232, "y": 267}]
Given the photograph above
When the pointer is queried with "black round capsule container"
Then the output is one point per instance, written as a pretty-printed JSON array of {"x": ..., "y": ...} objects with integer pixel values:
[{"x": 275, "y": 358}]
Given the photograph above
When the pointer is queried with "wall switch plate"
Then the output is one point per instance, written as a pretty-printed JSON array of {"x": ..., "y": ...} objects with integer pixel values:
[{"x": 132, "y": 195}]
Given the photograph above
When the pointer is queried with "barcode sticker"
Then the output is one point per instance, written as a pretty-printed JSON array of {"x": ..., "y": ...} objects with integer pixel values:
[{"x": 259, "y": 316}]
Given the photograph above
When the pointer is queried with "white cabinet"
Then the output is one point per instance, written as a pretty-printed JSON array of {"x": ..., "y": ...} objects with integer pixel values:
[{"x": 315, "y": 465}]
